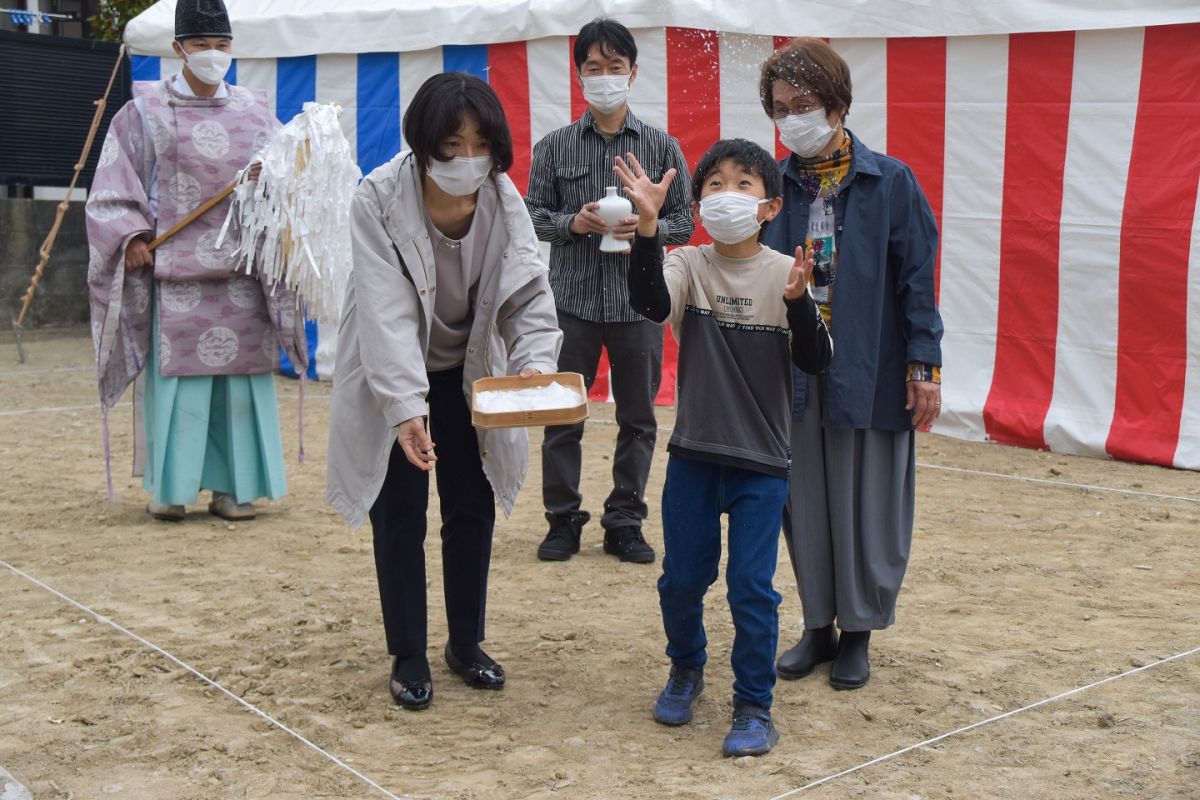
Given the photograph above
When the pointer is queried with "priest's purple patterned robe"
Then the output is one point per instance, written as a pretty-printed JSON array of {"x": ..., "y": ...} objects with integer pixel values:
[{"x": 166, "y": 152}]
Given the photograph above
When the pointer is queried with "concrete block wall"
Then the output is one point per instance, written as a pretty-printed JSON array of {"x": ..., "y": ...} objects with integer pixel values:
[{"x": 61, "y": 298}]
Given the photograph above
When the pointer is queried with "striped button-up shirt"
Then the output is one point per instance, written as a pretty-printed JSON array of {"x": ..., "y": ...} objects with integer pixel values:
[{"x": 571, "y": 167}]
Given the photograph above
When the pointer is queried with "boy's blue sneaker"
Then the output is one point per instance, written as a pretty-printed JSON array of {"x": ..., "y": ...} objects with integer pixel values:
[
  {"x": 752, "y": 734},
  {"x": 674, "y": 706}
]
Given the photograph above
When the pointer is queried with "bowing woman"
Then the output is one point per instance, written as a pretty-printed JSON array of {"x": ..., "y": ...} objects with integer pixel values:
[{"x": 448, "y": 286}]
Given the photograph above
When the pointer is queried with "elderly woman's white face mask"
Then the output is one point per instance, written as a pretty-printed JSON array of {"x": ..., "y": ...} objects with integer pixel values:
[{"x": 806, "y": 134}]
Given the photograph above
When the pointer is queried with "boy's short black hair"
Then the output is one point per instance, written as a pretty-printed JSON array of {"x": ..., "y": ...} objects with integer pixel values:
[
  {"x": 437, "y": 111},
  {"x": 613, "y": 38},
  {"x": 747, "y": 155}
]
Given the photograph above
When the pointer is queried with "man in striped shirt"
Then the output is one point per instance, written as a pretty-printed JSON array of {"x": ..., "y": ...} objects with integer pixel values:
[{"x": 571, "y": 168}]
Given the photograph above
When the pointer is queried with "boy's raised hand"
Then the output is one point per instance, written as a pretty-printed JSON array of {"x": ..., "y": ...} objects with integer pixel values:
[
  {"x": 797, "y": 283},
  {"x": 646, "y": 195}
]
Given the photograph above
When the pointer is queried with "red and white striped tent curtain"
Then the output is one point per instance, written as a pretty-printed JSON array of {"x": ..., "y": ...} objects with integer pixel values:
[{"x": 1063, "y": 168}]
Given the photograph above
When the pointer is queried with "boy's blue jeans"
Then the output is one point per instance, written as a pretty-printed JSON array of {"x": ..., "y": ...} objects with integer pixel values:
[{"x": 694, "y": 497}]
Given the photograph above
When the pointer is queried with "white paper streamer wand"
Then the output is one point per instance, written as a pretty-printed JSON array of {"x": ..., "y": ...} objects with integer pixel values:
[{"x": 295, "y": 222}]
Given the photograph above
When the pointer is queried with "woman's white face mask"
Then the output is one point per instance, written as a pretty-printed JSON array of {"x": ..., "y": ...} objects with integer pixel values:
[
  {"x": 730, "y": 217},
  {"x": 209, "y": 66},
  {"x": 806, "y": 134},
  {"x": 461, "y": 175},
  {"x": 606, "y": 93}
]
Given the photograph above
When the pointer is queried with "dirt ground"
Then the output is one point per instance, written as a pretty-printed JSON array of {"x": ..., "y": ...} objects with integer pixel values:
[{"x": 1017, "y": 591}]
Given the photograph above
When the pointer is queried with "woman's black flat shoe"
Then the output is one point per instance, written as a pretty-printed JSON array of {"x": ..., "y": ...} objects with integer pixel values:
[
  {"x": 412, "y": 694},
  {"x": 476, "y": 675}
]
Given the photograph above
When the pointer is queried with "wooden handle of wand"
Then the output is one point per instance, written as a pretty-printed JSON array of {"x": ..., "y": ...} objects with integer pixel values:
[{"x": 195, "y": 215}]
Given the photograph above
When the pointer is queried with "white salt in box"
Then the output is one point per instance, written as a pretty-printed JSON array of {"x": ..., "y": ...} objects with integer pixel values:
[{"x": 527, "y": 417}]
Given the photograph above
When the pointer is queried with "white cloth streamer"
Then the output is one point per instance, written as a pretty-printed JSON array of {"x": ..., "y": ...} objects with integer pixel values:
[{"x": 295, "y": 221}]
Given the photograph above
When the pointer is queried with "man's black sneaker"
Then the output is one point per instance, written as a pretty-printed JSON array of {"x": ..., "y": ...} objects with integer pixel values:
[
  {"x": 563, "y": 538},
  {"x": 627, "y": 544}
]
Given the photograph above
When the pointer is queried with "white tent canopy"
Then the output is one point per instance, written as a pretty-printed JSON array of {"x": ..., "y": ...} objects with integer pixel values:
[{"x": 283, "y": 28}]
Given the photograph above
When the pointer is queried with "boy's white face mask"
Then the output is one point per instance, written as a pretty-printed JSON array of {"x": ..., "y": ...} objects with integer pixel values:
[
  {"x": 606, "y": 93},
  {"x": 730, "y": 217},
  {"x": 460, "y": 176},
  {"x": 209, "y": 66},
  {"x": 806, "y": 134}
]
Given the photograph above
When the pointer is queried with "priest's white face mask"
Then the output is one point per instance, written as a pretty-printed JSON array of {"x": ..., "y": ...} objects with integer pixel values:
[{"x": 206, "y": 57}]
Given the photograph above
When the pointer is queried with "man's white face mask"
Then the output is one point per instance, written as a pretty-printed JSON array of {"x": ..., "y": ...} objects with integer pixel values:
[{"x": 606, "y": 93}]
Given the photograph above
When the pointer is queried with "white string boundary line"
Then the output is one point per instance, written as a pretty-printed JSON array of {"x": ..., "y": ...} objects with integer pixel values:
[
  {"x": 983, "y": 722},
  {"x": 59, "y": 409},
  {"x": 249, "y": 706},
  {"x": 1066, "y": 484},
  {"x": 291, "y": 398},
  {"x": 20, "y": 373},
  {"x": 1061, "y": 483}
]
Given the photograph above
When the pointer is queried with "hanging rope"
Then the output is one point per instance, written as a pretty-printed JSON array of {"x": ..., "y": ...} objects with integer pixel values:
[{"x": 48, "y": 244}]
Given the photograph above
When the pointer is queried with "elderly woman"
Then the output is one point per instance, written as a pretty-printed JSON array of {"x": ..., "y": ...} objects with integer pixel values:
[
  {"x": 849, "y": 517},
  {"x": 449, "y": 286}
]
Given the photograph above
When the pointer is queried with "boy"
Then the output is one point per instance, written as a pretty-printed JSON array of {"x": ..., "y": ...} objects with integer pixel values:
[{"x": 738, "y": 311}]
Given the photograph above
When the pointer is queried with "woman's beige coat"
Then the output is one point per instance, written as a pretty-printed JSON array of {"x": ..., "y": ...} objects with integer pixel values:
[{"x": 380, "y": 381}]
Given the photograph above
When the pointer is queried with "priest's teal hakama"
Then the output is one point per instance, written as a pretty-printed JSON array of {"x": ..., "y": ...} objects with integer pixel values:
[{"x": 214, "y": 432}]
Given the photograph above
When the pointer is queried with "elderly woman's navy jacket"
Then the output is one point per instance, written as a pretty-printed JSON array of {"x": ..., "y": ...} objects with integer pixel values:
[{"x": 884, "y": 314}]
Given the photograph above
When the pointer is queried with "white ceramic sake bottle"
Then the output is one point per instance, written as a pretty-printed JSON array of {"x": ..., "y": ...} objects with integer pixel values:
[{"x": 611, "y": 208}]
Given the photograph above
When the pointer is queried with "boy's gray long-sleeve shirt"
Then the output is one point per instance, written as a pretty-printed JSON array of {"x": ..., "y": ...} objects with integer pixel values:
[{"x": 738, "y": 339}]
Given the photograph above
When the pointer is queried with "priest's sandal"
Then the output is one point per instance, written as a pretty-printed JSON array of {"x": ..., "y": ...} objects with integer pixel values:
[
  {"x": 225, "y": 507},
  {"x": 165, "y": 512}
]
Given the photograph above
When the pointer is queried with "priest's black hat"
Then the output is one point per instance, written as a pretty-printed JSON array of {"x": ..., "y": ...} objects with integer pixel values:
[{"x": 201, "y": 18}]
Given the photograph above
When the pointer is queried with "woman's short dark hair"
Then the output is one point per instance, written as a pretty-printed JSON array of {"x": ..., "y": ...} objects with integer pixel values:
[
  {"x": 747, "y": 155},
  {"x": 810, "y": 64},
  {"x": 438, "y": 108},
  {"x": 613, "y": 38}
]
